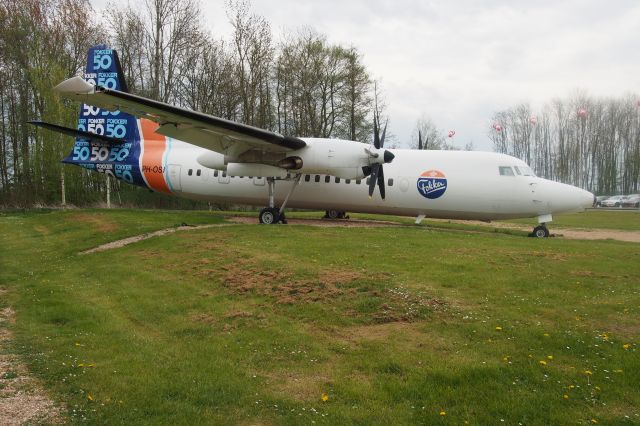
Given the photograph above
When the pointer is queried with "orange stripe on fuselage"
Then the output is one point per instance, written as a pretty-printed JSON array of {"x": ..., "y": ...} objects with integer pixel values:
[{"x": 155, "y": 146}]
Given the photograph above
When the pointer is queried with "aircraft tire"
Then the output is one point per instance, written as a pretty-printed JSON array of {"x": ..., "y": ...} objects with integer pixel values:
[
  {"x": 332, "y": 214},
  {"x": 269, "y": 216},
  {"x": 335, "y": 214},
  {"x": 540, "y": 232}
]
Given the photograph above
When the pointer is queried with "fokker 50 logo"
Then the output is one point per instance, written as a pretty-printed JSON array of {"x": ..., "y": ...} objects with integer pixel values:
[{"x": 432, "y": 184}]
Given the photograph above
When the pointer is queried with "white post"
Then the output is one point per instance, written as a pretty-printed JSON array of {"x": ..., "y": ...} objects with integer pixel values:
[
  {"x": 108, "y": 192},
  {"x": 64, "y": 200}
]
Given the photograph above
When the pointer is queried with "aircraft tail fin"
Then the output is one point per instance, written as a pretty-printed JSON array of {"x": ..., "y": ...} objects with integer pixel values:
[{"x": 106, "y": 141}]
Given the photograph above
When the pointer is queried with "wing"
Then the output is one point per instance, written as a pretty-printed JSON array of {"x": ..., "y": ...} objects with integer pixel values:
[
  {"x": 77, "y": 133},
  {"x": 203, "y": 130}
]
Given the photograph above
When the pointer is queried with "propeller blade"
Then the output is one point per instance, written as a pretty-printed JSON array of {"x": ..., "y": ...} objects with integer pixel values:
[
  {"x": 373, "y": 178},
  {"x": 376, "y": 134},
  {"x": 383, "y": 133},
  {"x": 381, "y": 181},
  {"x": 419, "y": 140}
]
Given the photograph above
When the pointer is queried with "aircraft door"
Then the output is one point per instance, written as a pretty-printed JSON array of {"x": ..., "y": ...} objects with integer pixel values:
[
  {"x": 259, "y": 181},
  {"x": 174, "y": 181}
]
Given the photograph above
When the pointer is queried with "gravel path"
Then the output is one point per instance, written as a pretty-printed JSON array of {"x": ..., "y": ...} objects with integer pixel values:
[{"x": 22, "y": 398}]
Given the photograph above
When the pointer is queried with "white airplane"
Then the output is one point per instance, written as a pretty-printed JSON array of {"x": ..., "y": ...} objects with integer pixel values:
[{"x": 198, "y": 156}]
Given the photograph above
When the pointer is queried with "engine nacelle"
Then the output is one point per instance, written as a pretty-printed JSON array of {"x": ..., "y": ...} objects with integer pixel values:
[
  {"x": 344, "y": 159},
  {"x": 212, "y": 160}
]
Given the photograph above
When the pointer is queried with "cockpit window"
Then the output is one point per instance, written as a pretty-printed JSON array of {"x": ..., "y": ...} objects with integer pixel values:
[
  {"x": 506, "y": 171},
  {"x": 527, "y": 171}
]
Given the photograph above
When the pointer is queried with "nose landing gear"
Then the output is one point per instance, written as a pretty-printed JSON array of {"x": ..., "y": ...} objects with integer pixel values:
[{"x": 540, "y": 231}]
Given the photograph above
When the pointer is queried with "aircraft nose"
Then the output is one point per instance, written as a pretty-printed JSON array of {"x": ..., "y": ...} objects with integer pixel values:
[
  {"x": 586, "y": 198},
  {"x": 568, "y": 198}
]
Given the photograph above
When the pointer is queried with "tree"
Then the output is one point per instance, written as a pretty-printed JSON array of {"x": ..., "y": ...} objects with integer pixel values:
[
  {"x": 431, "y": 136},
  {"x": 584, "y": 141}
]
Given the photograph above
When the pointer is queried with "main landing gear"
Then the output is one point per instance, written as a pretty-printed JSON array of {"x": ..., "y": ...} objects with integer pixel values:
[
  {"x": 335, "y": 214},
  {"x": 272, "y": 215}
]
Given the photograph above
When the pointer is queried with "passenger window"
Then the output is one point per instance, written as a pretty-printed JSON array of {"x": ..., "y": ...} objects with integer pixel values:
[
  {"x": 307, "y": 178},
  {"x": 358, "y": 181},
  {"x": 190, "y": 172},
  {"x": 506, "y": 171},
  {"x": 215, "y": 173},
  {"x": 327, "y": 179},
  {"x": 517, "y": 170},
  {"x": 337, "y": 180},
  {"x": 347, "y": 181},
  {"x": 390, "y": 182},
  {"x": 198, "y": 172},
  {"x": 317, "y": 178},
  {"x": 224, "y": 174}
]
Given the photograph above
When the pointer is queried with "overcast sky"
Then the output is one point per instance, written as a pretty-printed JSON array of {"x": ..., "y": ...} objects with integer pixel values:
[{"x": 458, "y": 62}]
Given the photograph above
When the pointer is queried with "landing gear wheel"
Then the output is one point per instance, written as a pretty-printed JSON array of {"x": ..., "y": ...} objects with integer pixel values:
[
  {"x": 269, "y": 216},
  {"x": 283, "y": 219},
  {"x": 540, "y": 232},
  {"x": 335, "y": 214},
  {"x": 332, "y": 214}
]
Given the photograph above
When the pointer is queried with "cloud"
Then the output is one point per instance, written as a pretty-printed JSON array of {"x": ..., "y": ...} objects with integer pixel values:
[{"x": 459, "y": 62}]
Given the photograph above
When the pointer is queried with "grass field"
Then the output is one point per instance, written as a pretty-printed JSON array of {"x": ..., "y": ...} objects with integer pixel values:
[{"x": 246, "y": 324}]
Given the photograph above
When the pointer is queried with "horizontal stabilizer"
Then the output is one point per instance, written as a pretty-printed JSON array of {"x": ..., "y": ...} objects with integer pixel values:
[{"x": 78, "y": 133}]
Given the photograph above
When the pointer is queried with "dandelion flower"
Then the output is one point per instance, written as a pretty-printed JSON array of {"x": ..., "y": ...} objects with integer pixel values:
[
  {"x": 542, "y": 362},
  {"x": 498, "y": 328},
  {"x": 565, "y": 396},
  {"x": 546, "y": 334},
  {"x": 626, "y": 345},
  {"x": 325, "y": 397},
  {"x": 443, "y": 413},
  {"x": 594, "y": 421},
  {"x": 597, "y": 387},
  {"x": 549, "y": 356},
  {"x": 89, "y": 397},
  {"x": 588, "y": 372},
  {"x": 571, "y": 386}
]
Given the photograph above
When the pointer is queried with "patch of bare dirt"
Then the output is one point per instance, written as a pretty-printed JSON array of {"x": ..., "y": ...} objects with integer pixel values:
[
  {"x": 22, "y": 398},
  {"x": 99, "y": 222},
  {"x": 338, "y": 223},
  {"x": 572, "y": 234},
  {"x": 302, "y": 387},
  {"x": 244, "y": 276},
  {"x": 130, "y": 240}
]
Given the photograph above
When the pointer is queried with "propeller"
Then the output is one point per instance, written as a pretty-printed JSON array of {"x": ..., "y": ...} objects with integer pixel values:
[
  {"x": 419, "y": 140},
  {"x": 376, "y": 161}
]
